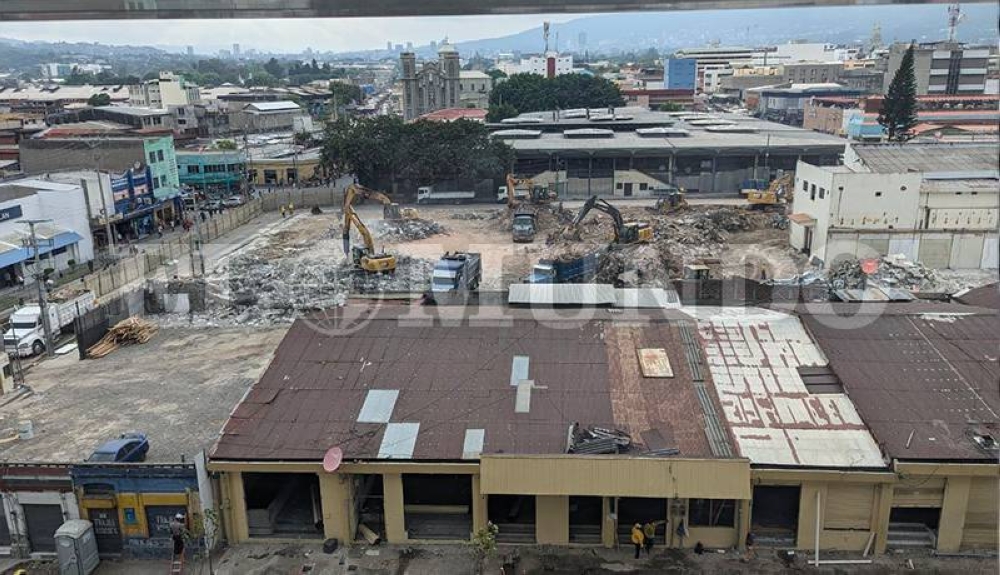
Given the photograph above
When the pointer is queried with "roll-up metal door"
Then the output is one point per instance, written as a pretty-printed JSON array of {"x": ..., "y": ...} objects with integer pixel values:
[
  {"x": 919, "y": 492},
  {"x": 849, "y": 506},
  {"x": 42, "y": 522},
  {"x": 981, "y": 514}
]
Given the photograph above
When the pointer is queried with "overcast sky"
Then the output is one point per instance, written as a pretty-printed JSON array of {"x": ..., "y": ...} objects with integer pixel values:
[{"x": 279, "y": 35}]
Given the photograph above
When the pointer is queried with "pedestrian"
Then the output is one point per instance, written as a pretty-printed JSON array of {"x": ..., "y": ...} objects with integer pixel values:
[
  {"x": 202, "y": 216},
  {"x": 751, "y": 552},
  {"x": 177, "y": 529},
  {"x": 649, "y": 535},
  {"x": 638, "y": 538},
  {"x": 281, "y": 209},
  {"x": 159, "y": 230},
  {"x": 291, "y": 209}
]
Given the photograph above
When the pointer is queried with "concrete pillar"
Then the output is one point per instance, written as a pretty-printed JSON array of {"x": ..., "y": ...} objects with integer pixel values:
[
  {"x": 806, "y": 537},
  {"x": 395, "y": 519},
  {"x": 480, "y": 511},
  {"x": 880, "y": 521},
  {"x": 670, "y": 168},
  {"x": 952, "y": 522},
  {"x": 743, "y": 523},
  {"x": 336, "y": 495},
  {"x": 609, "y": 523},
  {"x": 235, "y": 509},
  {"x": 552, "y": 519}
]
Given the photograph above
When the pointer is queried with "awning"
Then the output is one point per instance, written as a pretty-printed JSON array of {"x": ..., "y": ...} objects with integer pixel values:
[
  {"x": 803, "y": 219},
  {"x": 13, "y": 246}
]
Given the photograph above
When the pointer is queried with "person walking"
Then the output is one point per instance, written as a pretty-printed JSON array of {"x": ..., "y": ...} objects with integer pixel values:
[
  {"x": 177, "y": 529},
  {"x": 638, "y": 538},
  {"x": 751, "y": 552},
  {"x": 281, "y": 209},
  {"x": 649, "y": 535}
]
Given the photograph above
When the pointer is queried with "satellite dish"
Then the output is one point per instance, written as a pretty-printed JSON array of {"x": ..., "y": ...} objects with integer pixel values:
[{"x": 331, "y": 461}]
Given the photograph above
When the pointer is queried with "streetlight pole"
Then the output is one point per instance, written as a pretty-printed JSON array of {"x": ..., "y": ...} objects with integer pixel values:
[{"x": 40, "y": 284}]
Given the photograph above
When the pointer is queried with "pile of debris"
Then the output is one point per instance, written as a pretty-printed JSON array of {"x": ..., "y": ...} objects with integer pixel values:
[
  {"x": 476, "y": 215},
  {"x": 282, "y": 286},
  {"x": 126, "y": 332},
  {"x": 898, "y": 271},
  {"x": 406, "y": 229},
  {"x": 712, "y": 225},
  {"x": 595, "y": 440},
  {"x": 412, "y": 275},
  {"x": 643, "y": 265}
]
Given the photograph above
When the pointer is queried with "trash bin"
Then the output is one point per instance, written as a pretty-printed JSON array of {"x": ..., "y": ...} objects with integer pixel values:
[{"x": 76, "y": 548}]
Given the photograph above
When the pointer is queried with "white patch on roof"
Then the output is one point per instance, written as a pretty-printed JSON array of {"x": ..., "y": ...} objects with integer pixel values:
[
  {"x": 378, "y": 406},
  {"x": 474, "y": 441},
  {"x": 753, "y": 356},
  {"x": 398, "y": 441},
  {"x": 522, "y": 400},
  {"x": 519, "y": 369}
]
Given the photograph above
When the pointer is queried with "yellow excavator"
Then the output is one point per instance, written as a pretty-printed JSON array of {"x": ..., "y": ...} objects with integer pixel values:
[
  {"x": 534, "y": 194},
  {"x": 626, "y": 232},
  {"x": 390, "y": 209},
  {"x": 777, "y": 194},
  {"x": 364, "y": 258}
]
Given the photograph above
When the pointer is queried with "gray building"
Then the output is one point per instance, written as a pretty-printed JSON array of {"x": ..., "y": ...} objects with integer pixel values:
[
  {"x": 635, "y": 152},
  {"x": 812, "y": 72},
  {"x": 942, "y": 68},
  {"x": 437, "y": 85},
  {"x": 474, "y": 89}
]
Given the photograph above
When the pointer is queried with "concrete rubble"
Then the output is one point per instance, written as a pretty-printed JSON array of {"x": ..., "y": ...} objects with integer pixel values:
[
  {"x": 406, "y": 229},
  {"x": 898, "y": 271}
]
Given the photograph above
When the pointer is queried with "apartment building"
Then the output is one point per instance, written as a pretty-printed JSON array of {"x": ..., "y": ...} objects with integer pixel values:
[
  {"x": 164, "y": 92},
  {"x": 943, "y": 67}
]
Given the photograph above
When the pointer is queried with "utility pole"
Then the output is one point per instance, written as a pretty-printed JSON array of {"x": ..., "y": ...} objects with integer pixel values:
[
  {"x": 40, "y": 284},
  {"x": 112, "y": 245}
]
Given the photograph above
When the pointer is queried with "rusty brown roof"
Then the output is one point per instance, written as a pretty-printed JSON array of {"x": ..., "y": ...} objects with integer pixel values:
[
  {"x": 987, "y": 296},
  {"x": 924, "y": 383},
  {"x": 455, "y": 376}
]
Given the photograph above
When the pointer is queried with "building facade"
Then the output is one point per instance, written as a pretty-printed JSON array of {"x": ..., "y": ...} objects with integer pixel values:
[
  {"x": 933, "y": 203},
  {"x": 679, "y": 74},
  {"x": 212, "y": 170},
  {"x": 812, "y": 72},
  {"x": 474, "y": 89},
  {"x": 550, "y": 65},
  {"x": 435, "y": 86},
  {"x": 943, "y": 68},
  {"x": 163, "y": 92}
]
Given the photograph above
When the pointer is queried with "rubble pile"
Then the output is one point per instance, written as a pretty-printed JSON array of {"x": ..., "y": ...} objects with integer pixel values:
[
  {"x": 476, "y": 215},
  {"x": 643, "y": 265},
  {"x": 406, "y": 229},
  {"x": 896, "y": 270}
]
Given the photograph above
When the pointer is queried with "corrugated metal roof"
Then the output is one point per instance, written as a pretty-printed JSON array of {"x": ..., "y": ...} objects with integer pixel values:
[
  {"x": 453, "y": 377},
  {"x": 931, "y": 157},
  {"x": 932, "y": 374},
  {"x": 562, "y": 294},
  {"x": 279, "y": 106},
  {"x": 648, "y": 298}
]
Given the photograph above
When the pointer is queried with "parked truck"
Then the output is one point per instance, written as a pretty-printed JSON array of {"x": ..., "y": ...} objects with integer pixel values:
[
  {"x": 457, "y": 272},
  {"x": 428, "y": 195},
  {"x": 25, "y": 335},
  {"x": 577, "y": 270},
  {"x": 523, "y": 225}
]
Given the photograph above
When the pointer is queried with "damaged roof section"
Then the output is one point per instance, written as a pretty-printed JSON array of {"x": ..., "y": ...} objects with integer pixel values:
[
  {"x": 926, "y": 383},
  {"x": 428, "y": 388},
  {"x": 754, "y": 357}
]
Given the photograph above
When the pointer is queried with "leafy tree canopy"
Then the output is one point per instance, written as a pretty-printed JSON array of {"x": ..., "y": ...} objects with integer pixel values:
[
  {"x": 99, "y": 100},
  {"x": 533, "y": 93}
]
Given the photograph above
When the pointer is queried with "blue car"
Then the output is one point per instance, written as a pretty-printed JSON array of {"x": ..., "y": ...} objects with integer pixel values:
[{"x": 128, "y": 447}]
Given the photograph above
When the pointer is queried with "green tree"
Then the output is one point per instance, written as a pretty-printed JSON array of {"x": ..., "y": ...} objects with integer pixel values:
[
  {"x": 500, "y": 112},
  {"x": 532, "y": 93},
  {"x": 262, "y": 79},
  {"x": 225, "y": 145},
  {"x": 342, "y": 93},
  {"x": 101, "y": 99},
  {"x": 898, "y": 114},
  {"x": 274, "y": 68},
  {"x": 496, "y": 74}
]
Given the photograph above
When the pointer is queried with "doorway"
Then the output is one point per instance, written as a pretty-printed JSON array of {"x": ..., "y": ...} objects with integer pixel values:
[
  {"x": 641, "y": 510},
  {"x": 628, "y": 189},
  {"x": 42, "y": 521},
  {"x": 775, "y": 514},
  {"x": 913, "y": 527},
  {"x": 283, "y": 505},
  {"x": 514, "y": 516},
  {"x": 437, "y": 506},
  {"x": 585, "y": 519}
]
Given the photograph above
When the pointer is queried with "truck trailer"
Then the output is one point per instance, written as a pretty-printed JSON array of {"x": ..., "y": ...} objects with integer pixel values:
[{"x": 457, "y": 272}]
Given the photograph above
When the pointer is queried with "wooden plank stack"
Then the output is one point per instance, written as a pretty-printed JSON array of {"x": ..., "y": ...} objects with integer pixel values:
[{"x": 126, "y": 332}]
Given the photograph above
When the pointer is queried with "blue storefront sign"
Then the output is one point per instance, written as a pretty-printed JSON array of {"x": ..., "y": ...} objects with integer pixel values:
[{"x": 11, "y": 213}]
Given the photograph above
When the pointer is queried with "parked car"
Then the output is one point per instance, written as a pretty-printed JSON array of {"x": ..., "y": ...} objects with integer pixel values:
[
  {"x": 233, "y": 201},
  {"x": 211, "y": 205},
  {"x": 128, "y": 447}
]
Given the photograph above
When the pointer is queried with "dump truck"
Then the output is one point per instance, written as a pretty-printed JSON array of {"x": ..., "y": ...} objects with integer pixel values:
[
  {"x": 576, "y": 270},
  {"x": 459, "y": 271},
  {"x": 25, "y": 335},
  {"x": 523, "y": 225},
  {"x": 428, "y": 195}
]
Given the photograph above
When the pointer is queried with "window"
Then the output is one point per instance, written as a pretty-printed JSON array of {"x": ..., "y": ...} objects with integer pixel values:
[
  {"x": 159, "y": 155},
  {"x": 619, "y": 186},
  {"x": 152, "y": 157},
  {"x": 822, "y": 193},
  {"x": 812, "y": 192},
  {"x": 712, "y": 512},
  {"x": 156, "y": 182},
  {"x": 194, "y": 169},
  {"x": 643, "y": 186},
  {"x": 805, "y": 186}
]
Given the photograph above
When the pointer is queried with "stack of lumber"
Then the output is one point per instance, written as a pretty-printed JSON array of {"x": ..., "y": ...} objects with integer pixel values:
[{"x": 126, "y": 332}]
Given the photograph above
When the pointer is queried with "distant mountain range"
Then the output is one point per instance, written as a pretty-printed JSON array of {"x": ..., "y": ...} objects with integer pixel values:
[{"x": 668, "y": 31}]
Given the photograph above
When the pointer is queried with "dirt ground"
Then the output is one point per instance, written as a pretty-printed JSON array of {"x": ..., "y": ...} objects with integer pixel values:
[{"x": 181, "y": 400}]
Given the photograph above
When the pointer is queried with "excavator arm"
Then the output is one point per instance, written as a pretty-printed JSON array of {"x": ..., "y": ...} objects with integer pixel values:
[{"x": 641, "y": 233}]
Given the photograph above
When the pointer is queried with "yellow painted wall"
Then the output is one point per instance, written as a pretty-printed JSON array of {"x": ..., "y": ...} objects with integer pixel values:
[
  {"x": 552, "y": 519},
  {"x": 609, "y": 525},
  {"x": 616, "y": 476},
  {"x": 953, "y": 509},
  {"x": 395, "y": 518},
  {"x": 306, "y": 168},
  {"x": 712, "y": 537},
  {"x": 480, "y": 513},
  {"x": 982, "y": 515},
  {"x": 336, "y": 497}
]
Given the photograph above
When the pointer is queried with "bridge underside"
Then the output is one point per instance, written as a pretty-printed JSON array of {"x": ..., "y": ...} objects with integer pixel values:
[{"x": 26, "y": 10}]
